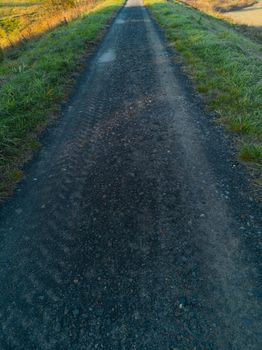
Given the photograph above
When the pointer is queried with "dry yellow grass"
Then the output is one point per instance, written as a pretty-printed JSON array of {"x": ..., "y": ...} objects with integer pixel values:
[
  {"x": 21, "y": 20},
  {"x": 219, "y": 5},
  {"x": 251, "y": 16},
  {"x": 246, "y": 15}
]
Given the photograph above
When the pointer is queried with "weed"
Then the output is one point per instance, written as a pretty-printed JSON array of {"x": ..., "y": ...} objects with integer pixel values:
[{"x": 250, "y": 152}]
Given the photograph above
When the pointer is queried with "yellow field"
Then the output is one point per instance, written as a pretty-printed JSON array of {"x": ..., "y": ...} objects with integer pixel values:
[
  {"x": 23, "y": 19},
  {"x": 219, "y": 5},
  {"x": 17, "y": 7},
  {"x": 246, "y": 14},
  {"x": 251, "y": 16}
]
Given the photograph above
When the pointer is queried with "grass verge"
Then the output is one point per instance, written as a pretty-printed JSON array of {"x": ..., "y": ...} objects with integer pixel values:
[
  {"x": 34, "y": 78},
  {"x": 226, "y": 67}
]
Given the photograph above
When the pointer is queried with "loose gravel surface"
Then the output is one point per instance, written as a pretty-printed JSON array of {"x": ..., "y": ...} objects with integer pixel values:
[{"x": 135, "y": 227}]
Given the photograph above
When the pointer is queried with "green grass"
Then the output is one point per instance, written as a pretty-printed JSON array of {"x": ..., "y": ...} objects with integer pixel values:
[
  {"x": 251, "y": 152},
  {"x": 226, "y": 67},
  {"x": 34, "y": 78}
]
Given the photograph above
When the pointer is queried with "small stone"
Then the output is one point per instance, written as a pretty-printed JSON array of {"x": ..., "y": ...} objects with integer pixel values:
[
  {"x": 182, "y": 301},
  {"x": 76, "y": 312}
]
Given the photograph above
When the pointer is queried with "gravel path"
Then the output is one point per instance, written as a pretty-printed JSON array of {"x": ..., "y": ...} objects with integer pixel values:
[{"x": 134, "y": 228}]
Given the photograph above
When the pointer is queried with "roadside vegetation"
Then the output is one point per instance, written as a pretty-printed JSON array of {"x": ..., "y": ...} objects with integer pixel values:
[
  {"x": 35, "y": 76},
  {"x": 226, "y": 67}
]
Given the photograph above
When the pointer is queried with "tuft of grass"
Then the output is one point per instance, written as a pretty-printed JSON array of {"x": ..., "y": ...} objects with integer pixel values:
[
  {"x": 250, "y": 152},
  {"x": 255, "y": 33},
  {"x": 225, "y": 65},
  {"x": 35, "y": 77}
]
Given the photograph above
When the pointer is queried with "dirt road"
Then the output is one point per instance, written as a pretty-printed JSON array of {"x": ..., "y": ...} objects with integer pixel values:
[{"x": 134, "y": 228}]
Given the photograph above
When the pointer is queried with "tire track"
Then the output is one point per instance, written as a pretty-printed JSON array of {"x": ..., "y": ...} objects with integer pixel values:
[{"x": 104, "y": 245}]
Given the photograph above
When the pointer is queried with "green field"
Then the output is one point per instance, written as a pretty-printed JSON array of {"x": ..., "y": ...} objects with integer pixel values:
[{"x": 226, "y": 67}]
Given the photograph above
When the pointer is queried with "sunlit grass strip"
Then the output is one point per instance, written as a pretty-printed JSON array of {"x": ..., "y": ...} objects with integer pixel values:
[
  {"x": 226, "y": 66},
  {"x": 31, "y": 19},
  {"x": 35, "y": 79}
]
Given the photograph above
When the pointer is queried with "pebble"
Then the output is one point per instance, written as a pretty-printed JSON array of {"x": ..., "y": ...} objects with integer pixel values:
[{"x": 76, "y": 312}]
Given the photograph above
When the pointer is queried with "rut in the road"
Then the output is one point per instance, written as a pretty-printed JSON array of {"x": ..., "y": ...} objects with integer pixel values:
[{"x": 133, "y": 228}]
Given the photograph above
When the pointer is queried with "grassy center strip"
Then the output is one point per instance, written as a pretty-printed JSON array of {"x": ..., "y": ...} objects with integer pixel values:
[
  {"x": 226, "y": 67},
  {"x": 34, "y": 78}
]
